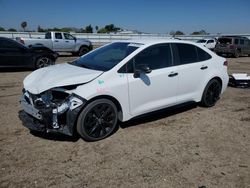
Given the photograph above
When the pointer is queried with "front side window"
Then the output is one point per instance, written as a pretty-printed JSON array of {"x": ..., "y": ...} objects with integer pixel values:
[
  {"x": 210, "y": 41},
  {"x": 68, "y": 36},
  {"x": 105, "y": 58},
  {"x": 155, "y": 57}
]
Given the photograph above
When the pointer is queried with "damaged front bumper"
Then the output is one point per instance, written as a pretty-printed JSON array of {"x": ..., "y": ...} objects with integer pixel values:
[{"x": 46, "y": 114}]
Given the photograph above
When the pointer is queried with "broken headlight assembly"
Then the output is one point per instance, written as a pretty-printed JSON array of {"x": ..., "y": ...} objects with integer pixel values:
[{"x": 56, "y": 108}]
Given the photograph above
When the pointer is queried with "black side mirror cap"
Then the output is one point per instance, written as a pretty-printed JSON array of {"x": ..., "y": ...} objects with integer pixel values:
[{"x": 143, "y": 68}]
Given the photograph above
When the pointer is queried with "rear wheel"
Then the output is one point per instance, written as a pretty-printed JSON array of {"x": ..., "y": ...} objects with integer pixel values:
[
  {"x": 44, "y": 62},
  {"x": 97, "y": 120},
  {"x": 237, "y": 53},
  {"x": 211, "y": 93}
]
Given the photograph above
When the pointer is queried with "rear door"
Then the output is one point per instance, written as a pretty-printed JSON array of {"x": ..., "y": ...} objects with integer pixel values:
[
  {"x": 13, "y": 54},
  {"x": 154, "y": 90},
  {"x": 193, "y": 64}
]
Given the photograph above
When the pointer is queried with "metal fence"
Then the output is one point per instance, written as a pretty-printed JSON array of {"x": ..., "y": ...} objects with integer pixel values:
[{"x": 98, "y": 38}]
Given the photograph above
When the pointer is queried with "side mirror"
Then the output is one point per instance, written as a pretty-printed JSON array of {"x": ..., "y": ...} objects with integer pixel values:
[{"x": 142, "y": 68}]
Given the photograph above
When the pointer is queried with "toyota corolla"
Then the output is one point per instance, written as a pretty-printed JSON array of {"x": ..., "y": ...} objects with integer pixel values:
[{"x": 120, "y": 81}]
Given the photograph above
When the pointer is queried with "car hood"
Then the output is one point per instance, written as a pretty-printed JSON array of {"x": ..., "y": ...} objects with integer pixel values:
[{"x": 58, "y": 76}]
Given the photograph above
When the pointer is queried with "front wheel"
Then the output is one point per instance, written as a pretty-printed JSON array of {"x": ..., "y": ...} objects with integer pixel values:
[
  {"x": 44, "y": 62},
  {"x": 83, "y": 50},
  {"x": 211, "y": 93},
  {"x": 98, "y": 120}
]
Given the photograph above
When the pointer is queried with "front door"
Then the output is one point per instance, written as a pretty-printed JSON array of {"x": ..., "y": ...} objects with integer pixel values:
[{"x": 154, "y": 90}]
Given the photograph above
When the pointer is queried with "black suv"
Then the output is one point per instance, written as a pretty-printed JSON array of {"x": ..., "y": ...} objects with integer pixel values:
[{"x": 233, "y": 45}]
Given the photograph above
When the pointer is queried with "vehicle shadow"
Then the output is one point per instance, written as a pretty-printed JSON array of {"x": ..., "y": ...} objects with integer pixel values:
[
  {"x": 55, "y": 137},
  {"x": 157, "y": 115},
  {"x": 15, "y": 69}
]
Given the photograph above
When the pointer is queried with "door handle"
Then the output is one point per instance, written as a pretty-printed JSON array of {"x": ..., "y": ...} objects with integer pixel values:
[
  {"x": 56, "y": 40},
  {"x": 172, "y": 74},
  {"x": 204, "y": 67}
]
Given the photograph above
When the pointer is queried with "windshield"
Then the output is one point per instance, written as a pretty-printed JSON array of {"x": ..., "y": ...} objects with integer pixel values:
[
  {"x": 201, "y": 41},
  {"x": 107, "y": 57}
]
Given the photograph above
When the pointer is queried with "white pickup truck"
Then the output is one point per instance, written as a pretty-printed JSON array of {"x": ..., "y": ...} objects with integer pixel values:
[{"x": 60, "y": 42}]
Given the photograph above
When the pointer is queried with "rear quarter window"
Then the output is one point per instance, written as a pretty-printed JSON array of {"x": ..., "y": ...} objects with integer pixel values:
[{"x": 188, "y": 53}]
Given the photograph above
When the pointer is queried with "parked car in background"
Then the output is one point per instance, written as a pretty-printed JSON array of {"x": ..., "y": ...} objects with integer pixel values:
[
  {"x": 60, "y": 42},
  {"x": 209, "y": 43},
  {"x": 14, "y": 54},
  {"x": 233, "y": 45},
  {"x": 120, "y": 81}
]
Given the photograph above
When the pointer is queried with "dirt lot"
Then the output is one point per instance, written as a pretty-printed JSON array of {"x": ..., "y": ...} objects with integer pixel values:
[{"x": 185, "y": 147}]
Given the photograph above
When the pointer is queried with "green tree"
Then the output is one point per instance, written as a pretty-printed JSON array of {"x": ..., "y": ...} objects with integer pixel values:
[
  {"x": 201, "y": 32},
  {"x": 24, "y": 25},
  {"x": 173, "y": 33},
  {"x": 88, "y": 29},
  {"x": 12, "y": 29},
  {"x": 2, "y": 29},
  {"x": 40, "y": 29}
]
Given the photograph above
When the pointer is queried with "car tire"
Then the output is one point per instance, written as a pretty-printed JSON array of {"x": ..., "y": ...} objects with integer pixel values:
[
  {"x": 211, "y": 93},
  {"x": 237, "y": 54},
  {"x": 83, "y": 50},
  {"x": 97, "y": 120},
  {"x": 44, "y": 62}
]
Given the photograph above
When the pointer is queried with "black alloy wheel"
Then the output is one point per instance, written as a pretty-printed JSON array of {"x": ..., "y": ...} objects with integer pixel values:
[
  {"x": 97, "y": 120},
  {"x": 211, "y": 93},
  {"x": 44, "y": 62}
]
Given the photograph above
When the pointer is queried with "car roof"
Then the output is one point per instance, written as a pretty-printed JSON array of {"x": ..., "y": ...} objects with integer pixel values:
[{"x": 155, "y": 41}]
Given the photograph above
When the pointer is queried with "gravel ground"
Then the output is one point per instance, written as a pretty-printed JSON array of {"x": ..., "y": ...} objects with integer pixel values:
[{"x": 185, "y": 147}]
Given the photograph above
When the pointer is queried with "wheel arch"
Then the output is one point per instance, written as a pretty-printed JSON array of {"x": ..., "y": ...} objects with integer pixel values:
[{"x": 111, "y": 98}]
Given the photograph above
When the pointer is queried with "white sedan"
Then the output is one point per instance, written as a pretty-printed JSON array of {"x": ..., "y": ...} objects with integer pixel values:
[{"x": 120, "y": 81}]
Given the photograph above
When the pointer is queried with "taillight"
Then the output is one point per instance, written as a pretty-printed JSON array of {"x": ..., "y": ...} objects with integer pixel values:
[
  {"x": 225, "y": 63},
  {"x": 232, "y": 46}
]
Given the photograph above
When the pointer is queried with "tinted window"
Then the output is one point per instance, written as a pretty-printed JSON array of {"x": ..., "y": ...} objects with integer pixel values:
[
  {"x": 187, "y": 53},
  {"x": 241, "y": 41},
  {"x": 236, "y": 41},
  {"x": 5, "y": 43},
  {"x": 155, "y": 57},
  {"x": 58, "y": 35},
  {"x": 202, "y": 55},
  {"x": 210, "y": 41},
  {"x": 68, "y": 36},
  {"x": 201, "y": 41},
  {"x": 48, "y": 36},
  {"x": 225, "y": 41},
  {"x": 106, "y": 57}
]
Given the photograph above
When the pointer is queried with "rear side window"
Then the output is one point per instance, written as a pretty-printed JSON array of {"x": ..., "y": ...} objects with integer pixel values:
[
  {"x": 58, "y": 35},
  {"x": 202, "y": 55},
  {"x": 48, "y": 36},
  {"x": 236, "y": 41},
  {"x": 241, "y": 41},
  {"x": 188, "y": 53}
]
